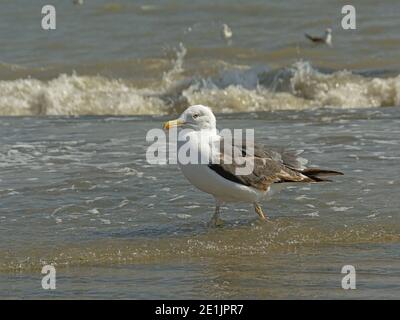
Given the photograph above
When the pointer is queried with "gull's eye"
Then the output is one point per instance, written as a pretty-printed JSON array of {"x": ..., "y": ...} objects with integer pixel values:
[{"x": 195, "y": 116}]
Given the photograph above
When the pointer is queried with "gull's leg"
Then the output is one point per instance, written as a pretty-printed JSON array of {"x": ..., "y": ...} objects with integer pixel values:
[
  {"x": 259, "y": 211},
  {"x": 215, "y": 220}
]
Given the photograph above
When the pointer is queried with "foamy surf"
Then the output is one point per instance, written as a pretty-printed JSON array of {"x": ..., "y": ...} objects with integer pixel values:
[{"x": 233, "y": 89}]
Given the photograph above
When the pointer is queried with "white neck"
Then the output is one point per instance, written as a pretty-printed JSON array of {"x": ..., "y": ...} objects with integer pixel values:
[
  {"x": 328, "y": 39},
  {"x": 201, "y": 141}
]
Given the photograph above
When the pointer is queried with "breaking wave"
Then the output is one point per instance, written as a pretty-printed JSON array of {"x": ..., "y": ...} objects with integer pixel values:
[{"x": 234, "y": 89}]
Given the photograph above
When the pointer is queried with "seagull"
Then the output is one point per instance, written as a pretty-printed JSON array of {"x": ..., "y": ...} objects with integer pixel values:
[
  {"x": 78, "y": 2},
  {"x": 327, "y": 38},
  {"x": 226, "y": 32},
  {"x": 271, "y": 167}
]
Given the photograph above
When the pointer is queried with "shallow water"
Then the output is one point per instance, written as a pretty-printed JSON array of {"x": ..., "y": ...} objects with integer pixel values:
[{"x": 79, "y": 194}]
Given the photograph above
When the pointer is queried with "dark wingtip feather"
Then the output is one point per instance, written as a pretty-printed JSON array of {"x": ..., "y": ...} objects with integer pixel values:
[
  {"x": 317, "y": 174},
  {"x": 309, "y": 37},
  {"x": 321, "y": 172}
]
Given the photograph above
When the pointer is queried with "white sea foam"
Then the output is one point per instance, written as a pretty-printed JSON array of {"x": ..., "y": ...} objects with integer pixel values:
[{"x": 234, "y": 89}]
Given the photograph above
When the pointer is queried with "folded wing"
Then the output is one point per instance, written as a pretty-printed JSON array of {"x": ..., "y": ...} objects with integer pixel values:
[{"x": 271, "y": 165}]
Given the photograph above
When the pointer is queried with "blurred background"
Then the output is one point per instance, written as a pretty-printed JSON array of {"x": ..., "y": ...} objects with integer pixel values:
[{"x": 143, "y": 57}]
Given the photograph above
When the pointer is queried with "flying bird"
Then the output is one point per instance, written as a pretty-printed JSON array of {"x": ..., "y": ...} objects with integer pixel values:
[
  {"x": 219, "y": 177},
  {"x": 326, "y": 39}
]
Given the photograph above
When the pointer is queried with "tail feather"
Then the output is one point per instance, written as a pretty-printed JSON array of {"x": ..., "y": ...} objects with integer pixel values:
[
  {"x": 318, "y": 175},
  {"x": 309, "y": 37}
]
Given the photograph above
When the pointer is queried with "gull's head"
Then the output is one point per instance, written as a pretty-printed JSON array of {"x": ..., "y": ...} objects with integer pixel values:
[
  {"x": 196, "y": 117},
  {"x": 328, "y": 31}
]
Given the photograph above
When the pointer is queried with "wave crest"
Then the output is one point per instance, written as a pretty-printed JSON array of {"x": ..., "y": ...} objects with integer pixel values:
[{"x": 239, "y": 89}]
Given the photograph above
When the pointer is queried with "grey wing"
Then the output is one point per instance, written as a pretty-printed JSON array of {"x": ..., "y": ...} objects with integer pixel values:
[
  {"x": 314, "y": 39},
  {"x": 269, "y": 165},
  {"x": 295, "y": 164},
  {"x": 288, "y": 158}
]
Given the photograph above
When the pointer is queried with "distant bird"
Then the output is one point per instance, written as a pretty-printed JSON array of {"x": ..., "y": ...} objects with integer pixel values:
[
  {"x": 219, "y": 177},
  {"x": 78, "y": 2},
  {"x": 327, "y": 38},
  {"x": 226, "y": 32}
]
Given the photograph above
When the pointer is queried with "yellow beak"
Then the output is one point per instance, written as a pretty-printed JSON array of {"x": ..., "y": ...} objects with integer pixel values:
[{"x": 173, "y": 123}]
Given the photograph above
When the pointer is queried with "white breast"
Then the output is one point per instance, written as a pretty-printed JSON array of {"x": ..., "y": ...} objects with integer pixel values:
[{"x": 207, "y": 180}]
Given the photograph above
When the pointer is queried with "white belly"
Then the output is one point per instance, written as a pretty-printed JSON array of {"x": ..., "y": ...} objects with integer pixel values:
[{"x": 205, "y": 179}]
